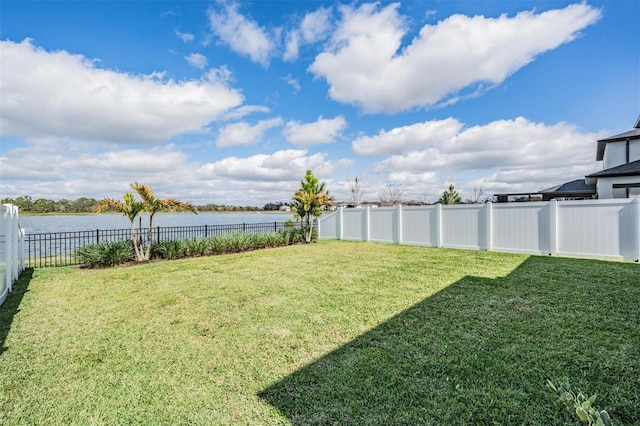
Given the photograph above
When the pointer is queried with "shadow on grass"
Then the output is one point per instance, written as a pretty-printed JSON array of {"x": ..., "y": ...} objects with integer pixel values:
[
  {"x": 11, "y": 306},
  {"x": 479, "y": 352}
]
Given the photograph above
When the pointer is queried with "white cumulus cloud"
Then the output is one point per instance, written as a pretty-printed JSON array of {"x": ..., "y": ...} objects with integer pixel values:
[
  {"x": 287, "y": 165},
  {"x": 244, "y": 133},
  {"x": 185, "y": 37},
  {"x": 366, "y": 64},
  {"x": 403, "y": 139},
  {"x": 64, "y": 95},
  {"x": 314, "y": 27},
  {"x": 321, "y": 131},
  {"x": 197, "y": 60},
  {"x": 503, "y": 145},
  {"x": 242, "y": 34}
]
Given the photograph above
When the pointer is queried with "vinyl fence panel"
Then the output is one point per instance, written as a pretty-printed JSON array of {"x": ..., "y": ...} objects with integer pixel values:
[
  {"x": 355, "y": 223},
  {"x": 607, "y": 229},
  {"x": 521, "y": 227},
  {"x": 463, "y": 226},
  {"x": 599, "y": 228},
  {"x": 11, "y": 249},
  {"x": 420, "y": 225},
  {"x": 383, "y": 224}
]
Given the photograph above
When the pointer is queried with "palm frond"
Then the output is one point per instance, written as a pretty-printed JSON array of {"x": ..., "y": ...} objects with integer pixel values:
[{"x": 144, "y": 191}]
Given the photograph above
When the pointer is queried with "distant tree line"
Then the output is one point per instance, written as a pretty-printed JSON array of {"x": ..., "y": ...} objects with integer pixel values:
[{"x": 27, "y": 204}]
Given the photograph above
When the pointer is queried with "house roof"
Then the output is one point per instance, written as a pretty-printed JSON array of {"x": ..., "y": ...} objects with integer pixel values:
[
  {"x": 578, "y": 186},
  {"x": 574, "y": 188},
  {"x": 629, "y": 169},
  {"x": 631, "y": 134}
]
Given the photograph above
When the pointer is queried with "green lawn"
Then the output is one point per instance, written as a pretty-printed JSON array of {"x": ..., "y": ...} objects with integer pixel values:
[{"x": 331, "y": 333}]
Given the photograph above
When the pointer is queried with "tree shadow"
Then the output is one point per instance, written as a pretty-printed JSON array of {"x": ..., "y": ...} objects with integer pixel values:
[
  {"x": 480, "y": 351},
  {"x": 11, "y": 305}
]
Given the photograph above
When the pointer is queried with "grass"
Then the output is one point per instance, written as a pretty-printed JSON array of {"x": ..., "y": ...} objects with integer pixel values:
[{"x": 330, "y": 333}]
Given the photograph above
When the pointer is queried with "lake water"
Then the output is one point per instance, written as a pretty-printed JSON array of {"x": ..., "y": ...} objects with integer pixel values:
[{"x": 68, "y": 223}]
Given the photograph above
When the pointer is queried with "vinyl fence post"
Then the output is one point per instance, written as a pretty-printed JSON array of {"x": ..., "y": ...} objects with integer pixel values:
[
  {"x": 399, "y": 223},
  {"x": 5, "y": 223},
  {"x": 553, "y": 227},
  {"x": 489, "y": 207},
  {"x": 637, "y": 201},
  {"x": 340, "y": 223},
  {"x": 15, "y": 229},
  {"x": 439, "y": 225},
  {"x": 367, "y": 223}
]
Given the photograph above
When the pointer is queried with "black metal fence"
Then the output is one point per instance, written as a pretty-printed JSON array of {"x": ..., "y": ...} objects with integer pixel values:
[{"x": 61, "y": 248}]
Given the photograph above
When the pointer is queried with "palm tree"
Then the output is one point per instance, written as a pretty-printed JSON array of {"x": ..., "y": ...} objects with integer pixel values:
[
  {"x": 308, "y": 202},
  {"x": 152, "y": 205},
  {"x": 131, "y": 208}
]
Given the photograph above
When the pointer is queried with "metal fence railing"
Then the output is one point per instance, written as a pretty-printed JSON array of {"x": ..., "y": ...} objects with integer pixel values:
[{"x": 61, "y": 248}]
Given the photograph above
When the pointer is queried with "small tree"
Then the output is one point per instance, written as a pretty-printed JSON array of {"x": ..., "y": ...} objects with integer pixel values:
[
  {"x": 130, "y": 208},
  {"x": 450, "y": 196},
  {"x": 391, "y": 195},
  {"x": 356, "y": 190},
  {"x": 152, "y": 205},
  {"x": 308, "y": 203}
]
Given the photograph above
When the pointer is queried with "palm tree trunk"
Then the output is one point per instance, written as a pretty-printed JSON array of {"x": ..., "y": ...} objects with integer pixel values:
[
  {"x": 307, "y": 229},
  {"x": 149, "y": 236},
  {"x": 139, "y": 254}
]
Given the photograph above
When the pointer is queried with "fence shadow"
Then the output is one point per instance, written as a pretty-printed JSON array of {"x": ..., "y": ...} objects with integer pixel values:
[
  {"x": 11, "y": 305},
  {"x": 477, "y": 348}
]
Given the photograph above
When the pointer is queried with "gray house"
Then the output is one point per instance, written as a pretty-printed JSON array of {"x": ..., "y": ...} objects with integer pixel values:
[
  {"x": 620, "y": 156},
  {"x": 620, "y": 177}
]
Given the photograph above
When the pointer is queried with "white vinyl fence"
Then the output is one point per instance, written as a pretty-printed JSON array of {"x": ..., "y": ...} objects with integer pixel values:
[
  {"x": 11, "y": 249},
  {"x": 604, "y": 229}
]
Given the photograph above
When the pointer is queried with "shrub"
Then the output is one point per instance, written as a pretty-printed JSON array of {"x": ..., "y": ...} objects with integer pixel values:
[
  {"x": 218, "y": 244},
  {"x": 171, "y": 249},
  {"x": 197, "y": 247},
  {"x": 269, "y": 239},
  {"x": 239, "y": 242},
  {"x": 118, "y": 252},
  {"x": 106, "y": 254}
]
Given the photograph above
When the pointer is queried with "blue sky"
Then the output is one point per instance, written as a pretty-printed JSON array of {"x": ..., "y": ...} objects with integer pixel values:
[{"x": 230, "y": 102}]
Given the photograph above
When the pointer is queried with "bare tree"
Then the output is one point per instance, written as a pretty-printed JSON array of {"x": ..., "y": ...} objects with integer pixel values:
[
  {"x": 356, "y": 190},
  {"x": 391, "y": 195},
  {"x": 477, "y": 196}
]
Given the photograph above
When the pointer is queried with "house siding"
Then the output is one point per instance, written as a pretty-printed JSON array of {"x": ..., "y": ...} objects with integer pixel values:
[
  {"x": 606, "y": 189},
  {"x": 634, "y": 150},
  {"x": 615, "y": 154}
]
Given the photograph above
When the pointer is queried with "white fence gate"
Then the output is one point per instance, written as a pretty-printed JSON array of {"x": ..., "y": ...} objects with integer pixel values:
[
  {"x": 604, "y": 229},
  {"x": 11, "y": 249}
]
